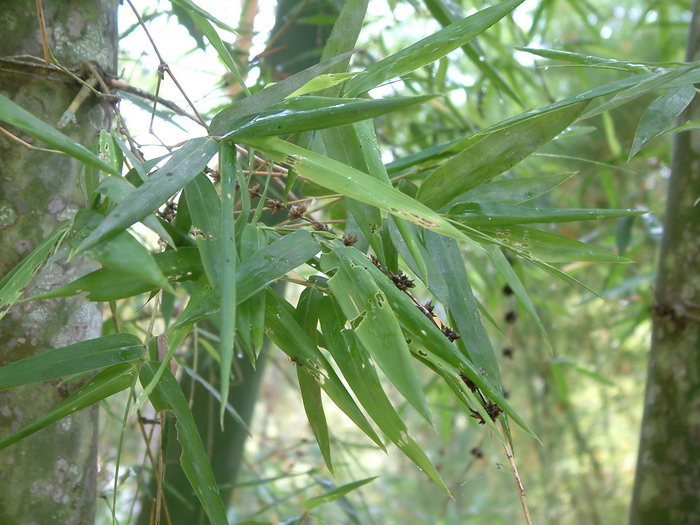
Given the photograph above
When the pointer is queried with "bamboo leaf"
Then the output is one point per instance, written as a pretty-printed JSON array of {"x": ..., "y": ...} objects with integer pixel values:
[
  {"x": 549, "y": 247},
  {"x": 109, "y": 285},
  {"x": 22, "y": 119},
  {"x": 463, "y": 307},
  {"x": 493, "y": 154},
  {"x": 15, "y": 280},
  {"x": 313, "y": 407},
  {"x": 265, "y": 98},
  {"x": 375, "y": 324},
  {"x": 72, "y": 359},
  {"x": 227, "y": 264},
  {"x": 204, "y": 206},
  {"x": 216, "y": 42},
  {"x": 514, "y": 191},
  {"x": 661, "y": 114},
  {"x": 336, "y": 493},
  {"x": 355, "y": 184},
  {"x": 167, "y": 395},
  {"x": 429, "y": 49},
  {"x": 194, "y": 8},
  {"x": 105, "y": 384},
  {"x": 358, "y": 369},
  {"x": 292, "y": 340},
  {"x": 495, "y": 213},
  {"x": 308, "y": 113},
  {"x": 182, "y": 167},
  {"x": 121, "y": 252}
]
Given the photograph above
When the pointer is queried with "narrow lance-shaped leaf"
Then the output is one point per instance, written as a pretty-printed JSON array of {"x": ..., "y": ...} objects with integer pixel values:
[
  {"x": 121, "y": 252},
  {"x": 265, "y": 98},
  {"x": 355, "y": 184},
  {"x": 72, "y": 359},
  {"x": 336, "y": 493},
  {"x": 373, "y": 320},
  {"x": 105, "y": 384},
  {"x": 424, "y": 331},
  {"x": 254, "y": 274},
  {"x": 109, "y": 285},
  {"x": 204, "y": 206},
  {"x": 292, "y": 340},
  {"x": 215, "y": 40},
  {"x": 495, "y": 213},
  {"x": 308, "y": 113},
  {"x": 182, "y": 167},
  {"x": 229, "y": 165},
  {"x": 493, "y": 154},
  {"x": 24, "y": 120},
  {"x": 447, "y": 12},
  {"x": 430, "y": 48},
  {"x": 167, "y": 395},
  {"x": 514, "y": 191},
  {"x": 357, "y": 368},
  {"x": 463, "y": 307},
  {"x": 549, "y": 247},
  {"x": 661, "y": 114},
  {"x": 13, "y": 283}
]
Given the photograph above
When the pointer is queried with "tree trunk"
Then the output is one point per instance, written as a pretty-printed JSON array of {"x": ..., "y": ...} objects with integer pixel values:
[
  {"x": 667, "y": 484},
  {"x": 49, "y": 477}
]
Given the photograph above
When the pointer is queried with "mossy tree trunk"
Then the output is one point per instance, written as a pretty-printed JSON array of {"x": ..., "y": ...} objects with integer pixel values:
[
  {"x": 49, "y": 477},
  {"x": 667, "y": 485}
]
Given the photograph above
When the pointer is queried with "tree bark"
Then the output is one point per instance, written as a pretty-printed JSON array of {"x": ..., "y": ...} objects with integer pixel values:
[
  {"x": 667, "y": 484},
  {"x": 49, "y": 477}
]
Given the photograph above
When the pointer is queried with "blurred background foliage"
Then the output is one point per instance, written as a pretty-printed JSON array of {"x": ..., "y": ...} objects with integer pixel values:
[{"x": 582, "y": 390}]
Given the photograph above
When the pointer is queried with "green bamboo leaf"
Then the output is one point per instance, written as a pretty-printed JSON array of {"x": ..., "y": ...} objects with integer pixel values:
[
  {"x": 336, "y": 493},
  {"x": 495, "y": 213},
  {"x": 343, "y": 144},
  {"x": 254, "y": 274},
  {"x": 121, "y": 252},
  {"x": 375, "y": 324},
  {"x": 549, "y": 247},
  {"x": 661, "y": 114},
  {"x": 658, "y": 80},
  {"x": 15, "y": 280},
  {"x": 73, "y": 359},
  {"x": 424, "y": 332},
  {"x": 216, "y": 42},
  {"x": 118, "y": 189},
  {"x": 355, "y": 184},
  {"x": 493, "y": 154},
  {"x": 514, "y": 191},
  {"x": 109, "y": 285},
  {"x": 322, "y": 83},
  {"x": 358, "y": 369},
  {"x": 286, "y": 333},
  {"x": 204, "y": 206},
  {"x": 251, "y": 313},
  {"x": 313, "y": 407},
  {"x": 265, "y": 98},
  {"x": 295, "y": 115},
  {"x": 228, "y": 258},
  {"x": 167, "y": 395},
  {"x": 447, "y": 12},
  {"x": 22, "y": 119},
  {"x": 182, "y": 167},
  {"x": 110, "y": 151},
  {"x": 463, "y": 307},
  {"x": 429, "y": 49},
  {"x": 588, "y": 60},
  {"x": 105, "y": 384},
  {"x": 369, "y": 147},
  {"x": 194, "y": 8}
]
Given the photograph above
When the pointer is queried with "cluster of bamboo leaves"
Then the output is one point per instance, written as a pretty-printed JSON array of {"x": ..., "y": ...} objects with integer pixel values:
[{"x": 351, "y": 317}]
